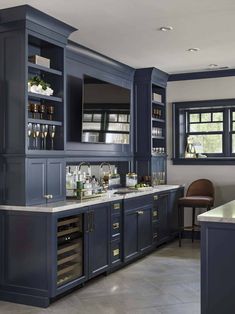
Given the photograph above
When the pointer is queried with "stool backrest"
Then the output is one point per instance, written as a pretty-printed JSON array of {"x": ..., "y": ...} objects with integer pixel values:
[{"x": 201, "y": 187}]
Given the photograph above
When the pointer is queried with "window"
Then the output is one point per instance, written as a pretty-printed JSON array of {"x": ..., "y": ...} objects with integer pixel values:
[{"x": 207, "y": 128}]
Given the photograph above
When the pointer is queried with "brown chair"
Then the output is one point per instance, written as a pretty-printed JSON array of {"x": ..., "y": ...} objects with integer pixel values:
[{"x": 200, "y": 194}]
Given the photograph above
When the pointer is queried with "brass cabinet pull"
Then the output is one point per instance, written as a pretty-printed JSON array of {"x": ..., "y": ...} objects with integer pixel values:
[
  {"x": 116, "y": 252},
  {"x": 116, "y": 206},
  {"x": 116, "y": 225},
  {"x": 140, "y": 212},
  {"x": 155, "y": 213},
  {"x": 155, "y": 197},
  {"x": 155, "y": 235}
]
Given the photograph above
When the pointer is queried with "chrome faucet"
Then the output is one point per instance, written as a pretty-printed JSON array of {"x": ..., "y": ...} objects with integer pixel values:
[
  {"x": 102, "y": 180},
  {"x": 105, "y": 164}
]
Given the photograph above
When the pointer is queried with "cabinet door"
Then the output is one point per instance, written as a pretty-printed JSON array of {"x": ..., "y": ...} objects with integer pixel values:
[
  {"x": 173, "y": 211},
  {"x": 35, "y": 181},
  {"x": 99, "y": 239},
  {"x": 131, "y": 234},
  {"x": 163, "y": 217},
  {"x": 145, "y": 228},
  {"x": 55, "y": 179}
]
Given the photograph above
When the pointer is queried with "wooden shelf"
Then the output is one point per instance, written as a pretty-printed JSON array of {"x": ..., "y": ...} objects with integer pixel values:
[
  {"x": 158, "y": 103},
  {"x": 158, "y": 120},
  {"x": 44, "y": 69},
  {"x": 43, "y": 121},
  {"x": 39, "y": 96},
  {"x": 158, "y": 137}
]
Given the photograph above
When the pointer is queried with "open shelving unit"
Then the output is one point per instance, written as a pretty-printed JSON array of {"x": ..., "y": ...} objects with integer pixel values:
[{"x": 45, "y": 118}]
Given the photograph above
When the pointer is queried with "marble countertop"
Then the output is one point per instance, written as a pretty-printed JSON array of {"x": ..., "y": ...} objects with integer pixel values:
[
  {"x": 71, "y": 204},
  {"x": 224, "y": 213}
]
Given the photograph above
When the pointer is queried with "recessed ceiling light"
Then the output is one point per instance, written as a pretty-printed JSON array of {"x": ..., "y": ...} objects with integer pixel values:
[
  {"x": 166, "y": 28},
  {"x": 193, "y": 49},
  {"x": 213, "y": 65}
]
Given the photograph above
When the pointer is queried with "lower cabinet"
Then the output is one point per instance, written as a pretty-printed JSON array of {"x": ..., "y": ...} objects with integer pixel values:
[
  {"x": 42, "y": 255},
  {"x": 138, "y": 233},
  {"x": 98, "y": 239}
]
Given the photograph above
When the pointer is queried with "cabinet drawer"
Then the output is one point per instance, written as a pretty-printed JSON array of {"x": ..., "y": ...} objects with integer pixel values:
[
  {"x": 137, "y": 202},
  {"x": 115, "y": 226},
  {"x": 115, "y": 252},
  {"x": 116, "y": 207}
]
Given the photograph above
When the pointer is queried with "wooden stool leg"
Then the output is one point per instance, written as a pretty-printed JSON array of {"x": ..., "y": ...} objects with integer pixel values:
[
  {"x": 193, "y": 223},
  {"x": 179, "y": 224}
]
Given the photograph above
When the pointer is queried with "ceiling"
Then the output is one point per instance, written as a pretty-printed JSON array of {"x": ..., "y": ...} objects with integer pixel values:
[{"x": 128, "y": 30}]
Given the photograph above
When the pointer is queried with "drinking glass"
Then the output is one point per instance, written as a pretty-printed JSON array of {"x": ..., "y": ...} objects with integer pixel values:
[
  {"x": 52, "y": 135},
  {"x": 50, "y": 112},
  {"x": 36, "y": 128},
  {"x": 30, "y": 131},
  {"x": 44, "y": 133},
  {"x": 34, "y": 109},
  {"x": 42, "y": 110}
]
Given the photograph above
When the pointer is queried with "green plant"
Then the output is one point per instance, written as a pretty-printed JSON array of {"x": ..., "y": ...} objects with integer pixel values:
[{"x": 36, "y": 80}]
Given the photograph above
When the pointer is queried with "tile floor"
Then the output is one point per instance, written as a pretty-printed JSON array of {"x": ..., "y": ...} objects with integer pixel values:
[{"x": 165, "y": 282}]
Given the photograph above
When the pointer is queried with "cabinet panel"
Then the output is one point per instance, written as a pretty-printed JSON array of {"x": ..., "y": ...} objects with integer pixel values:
[
  {"x": 56, "y": 179},
  {"x": 36, "y": 181},
  {"x": 163, "y": 217},
  {"x": 99, "y": 235},
  {"x": 130, "y": 235},
  {"x": 145, "y": 228}
]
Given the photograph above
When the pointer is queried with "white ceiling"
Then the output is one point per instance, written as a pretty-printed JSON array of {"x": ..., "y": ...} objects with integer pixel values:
[{"x": 127, "y": 30}]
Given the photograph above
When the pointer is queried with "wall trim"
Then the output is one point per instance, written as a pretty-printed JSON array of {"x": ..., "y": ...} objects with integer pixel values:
[{"x": 201, "y": 75}]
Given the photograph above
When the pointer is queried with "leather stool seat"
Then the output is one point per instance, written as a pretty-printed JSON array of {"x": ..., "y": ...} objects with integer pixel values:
[
  {"x": 196, "y": 201},
  {"x": 200, "y": 194}
]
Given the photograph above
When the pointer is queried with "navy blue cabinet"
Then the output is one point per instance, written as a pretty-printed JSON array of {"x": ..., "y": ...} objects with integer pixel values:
[
  {"x": 116, "y": 239},
  {"x": 98, "y": 239},
  {"x": 150, "y": 137},
  {"x": 45, "y": 180},
  {"x": 137, "y": 226}
]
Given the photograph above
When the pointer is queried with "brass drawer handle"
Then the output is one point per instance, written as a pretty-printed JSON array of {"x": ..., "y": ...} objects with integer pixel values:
[
  {"x": 155, "y": 214},
  {"x": 116, "y": 252},
  {"x": 140, "y": 212},
  {"x": 116, "y": 225},
  {"x": 155, "y": 197},
  {"x": 116, "y": 206},
  {"x": 155, "y": 235}
]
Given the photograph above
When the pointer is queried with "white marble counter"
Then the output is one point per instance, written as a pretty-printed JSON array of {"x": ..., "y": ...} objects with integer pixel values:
[
  {"x": 71, "y": 204},
  {"x": 224, "y": 213}
]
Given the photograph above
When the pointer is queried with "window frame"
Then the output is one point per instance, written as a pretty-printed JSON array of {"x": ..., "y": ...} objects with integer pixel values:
[{"x": 181, "y": 121}]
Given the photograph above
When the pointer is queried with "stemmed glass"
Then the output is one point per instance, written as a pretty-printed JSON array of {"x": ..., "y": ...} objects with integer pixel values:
[
  {"x": 36, "y": 133},
  {"x": 52, "y": 135},
  {"x": 30, "y": 130},
  {"x": 44, "y": 132}
]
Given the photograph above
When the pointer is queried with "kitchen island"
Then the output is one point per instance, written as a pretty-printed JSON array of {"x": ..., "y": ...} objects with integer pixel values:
[
  {"x": 218, "y": 260},
  {"x": 47, "y": 250}
]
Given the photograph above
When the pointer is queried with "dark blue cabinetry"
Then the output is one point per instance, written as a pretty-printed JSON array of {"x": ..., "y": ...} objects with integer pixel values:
[
  {"x": 150, "y": 112},
  {"x": 137, "y": 226},
  {"x": 98, "y": 239}
]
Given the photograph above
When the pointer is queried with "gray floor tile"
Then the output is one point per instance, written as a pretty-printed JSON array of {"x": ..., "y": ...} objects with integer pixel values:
[{"x": 165, "y": 282}]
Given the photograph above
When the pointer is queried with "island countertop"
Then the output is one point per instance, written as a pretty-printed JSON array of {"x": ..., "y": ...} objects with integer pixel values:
[
  {"x": 71, "y": 204},
  {"x": 224, "y": 214}
]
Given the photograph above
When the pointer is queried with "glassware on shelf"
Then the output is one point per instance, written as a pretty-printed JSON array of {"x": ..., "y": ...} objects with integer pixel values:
[
  {"x": 36, "y": 134},
  {"x": 43, "y": 134},
  {"x": 42, "y": 110},
  {"x": 34, "y": 109},
  {"x": 30, "y": 131},
  {"x": 50, "y": 112},
  {"x": 52, "y": 135}
]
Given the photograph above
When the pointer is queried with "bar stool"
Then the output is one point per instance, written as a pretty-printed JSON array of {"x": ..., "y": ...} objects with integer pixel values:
[{"x": 200, "y": 194}]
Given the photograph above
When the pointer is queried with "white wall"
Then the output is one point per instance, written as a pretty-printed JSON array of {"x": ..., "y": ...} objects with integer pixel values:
[{"x": 222, "y": 176}]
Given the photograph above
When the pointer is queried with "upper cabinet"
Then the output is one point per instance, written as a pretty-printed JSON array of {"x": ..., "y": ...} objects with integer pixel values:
[
  {"x": 100, "y": 119},
  {"x": 150, "y": 132},
  {"x": 32, "y": 81}
]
